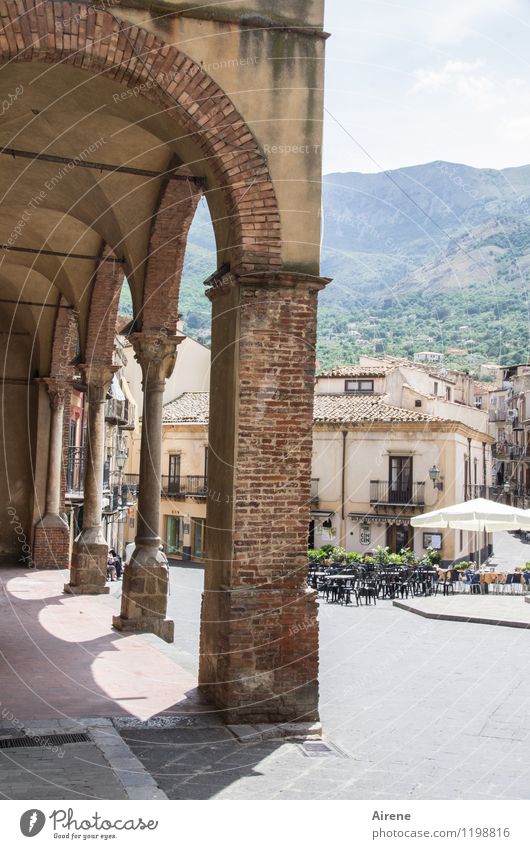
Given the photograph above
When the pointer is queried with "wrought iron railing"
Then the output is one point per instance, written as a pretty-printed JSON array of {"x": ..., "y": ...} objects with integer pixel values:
[
  {"x": 503, "y": 449},
  {"x": 182, "y": 486},
  {"x": 476, "y": 490},
  {"x": 75, "y": 469},
  {"x": 129, "y": 488},
  {"x": 387, "y": 492}
]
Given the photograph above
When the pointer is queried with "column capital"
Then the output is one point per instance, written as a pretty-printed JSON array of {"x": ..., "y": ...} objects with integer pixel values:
[
  {"x": 58, "y": 390},
  {"x": 156, "y": 353},
  {"x": 275, "y": 279},
  {"x": 98, "y": 379}
]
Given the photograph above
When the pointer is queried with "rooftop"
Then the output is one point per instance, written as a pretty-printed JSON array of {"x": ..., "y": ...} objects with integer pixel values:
[
  {"x": 357, "y": 371},
  {"x": 192, "y": 408},
  {"x": 353, "y": 409},
  {"x": 188, "y": 408}
]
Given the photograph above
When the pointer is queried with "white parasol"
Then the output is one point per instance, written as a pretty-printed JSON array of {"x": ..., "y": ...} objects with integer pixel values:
[{"x": 478, "y": 515}]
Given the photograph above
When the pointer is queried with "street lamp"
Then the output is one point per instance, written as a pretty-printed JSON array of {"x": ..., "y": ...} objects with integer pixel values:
[
  {"x": 436, "y": 477},
  {"x": 121, "y": 459}
]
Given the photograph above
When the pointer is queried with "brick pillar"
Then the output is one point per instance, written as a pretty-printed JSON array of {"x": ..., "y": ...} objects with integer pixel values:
[
  {"x": 51, "y": 536},
  {"x": 88, "y": 573},
  {"x": 259, "y": 630},
  {"x": 146, "y": 578}
]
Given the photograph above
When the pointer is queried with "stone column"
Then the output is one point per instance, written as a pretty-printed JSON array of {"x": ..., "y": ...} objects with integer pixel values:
[
  {"x": 146, "y": 578},
  {"x": 52, "y": 536},
  {"x": 259, "y": 629},
  {"x": 89, "y": 557}
]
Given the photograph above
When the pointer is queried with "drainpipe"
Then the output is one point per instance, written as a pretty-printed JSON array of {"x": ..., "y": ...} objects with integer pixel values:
[
  {"x": 343, "y": 490},
  {"x": 469, "y": 479}
]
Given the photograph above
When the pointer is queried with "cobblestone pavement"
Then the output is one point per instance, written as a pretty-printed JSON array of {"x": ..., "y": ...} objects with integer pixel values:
[
  {"x": 416, "y": 708},
  {"x": 411, "y": 708},
  {"x": 81, "y": 773},
  {"x": 509, "y": 551}
]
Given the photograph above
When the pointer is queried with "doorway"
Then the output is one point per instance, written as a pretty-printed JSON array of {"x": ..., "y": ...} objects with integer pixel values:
[{"x": 398, "y": 537}]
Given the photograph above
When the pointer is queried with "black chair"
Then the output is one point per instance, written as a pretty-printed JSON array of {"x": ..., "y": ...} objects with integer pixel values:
[
  {"x": 368, "y": 591},
  {"x": 446, "y": 582}
]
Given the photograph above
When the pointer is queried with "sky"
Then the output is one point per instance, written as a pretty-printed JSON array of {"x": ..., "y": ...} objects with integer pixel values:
[{"x": 414, "y": 81}]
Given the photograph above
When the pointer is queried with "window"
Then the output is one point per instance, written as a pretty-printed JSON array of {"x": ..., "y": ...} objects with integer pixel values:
[
  {"x": 206, "y": 462},
  {"x": 417, "y": 402},
  {"x": 198, "y": 533},
  {"x": 400, "y": 480},
  {"x": 359, "y": 386},
  {"x": 72, "y": 433},
  {"x": 448, "y": 392},
  {"x": 173, "y": 482},
  {"x": 174, "y": 534},
  {"x": 436, "y": 387}
]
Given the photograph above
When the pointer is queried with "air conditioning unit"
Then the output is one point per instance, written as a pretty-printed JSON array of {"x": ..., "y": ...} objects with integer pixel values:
[{"x": 512, "y": 414}]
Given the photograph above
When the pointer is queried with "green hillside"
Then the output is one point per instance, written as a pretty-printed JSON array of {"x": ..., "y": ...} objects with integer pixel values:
[{"x": 434, "y": 256}]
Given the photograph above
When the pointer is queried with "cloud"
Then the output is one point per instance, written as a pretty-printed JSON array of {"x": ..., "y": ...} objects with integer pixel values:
[
  {"x": 453, "y": 73},
  {"x": 462, "y": 81}
]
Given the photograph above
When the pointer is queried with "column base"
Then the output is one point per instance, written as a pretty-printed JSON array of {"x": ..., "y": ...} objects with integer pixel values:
[
  {"x": 88, "y": 575},
  {"x": 163, "y": 628},
  {"x": 51, "y": 543},
  {"x": 259, "y": 654},
  {"x": 144, "y": 594}
]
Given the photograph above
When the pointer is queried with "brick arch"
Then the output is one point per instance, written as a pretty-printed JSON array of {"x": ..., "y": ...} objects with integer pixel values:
[
  {"x": 65, "y": 342},
  {"x": 130, "y": 54},
  {"x": 103, "y": 312}
]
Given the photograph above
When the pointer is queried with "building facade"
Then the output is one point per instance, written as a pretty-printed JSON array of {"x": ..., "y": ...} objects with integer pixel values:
[
  {"x": 137, "y": 117},
  {"x": 371, "y": 465}
]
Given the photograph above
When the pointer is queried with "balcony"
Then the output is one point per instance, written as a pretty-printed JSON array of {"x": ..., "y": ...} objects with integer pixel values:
[
  {"x": 503, "y": 450},
  {"x": 476, "y": 490},
  {"x": 129, "y": 488},
  {"x": 521, "y": 452},
  {"x": 497, "y": 415},
  {"x": 113, "y": 503},
  {"x": 396, "y": 495},
  {"x": 518, "y": 495},
  {"x": 75, "y": 470},
  {"x": 120, "y": 413},
  {"x": 185, "y": 486}
]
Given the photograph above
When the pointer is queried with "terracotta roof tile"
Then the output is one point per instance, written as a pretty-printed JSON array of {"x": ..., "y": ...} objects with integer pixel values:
[
  {"x": 192, "y": 408},
  {"x": 358, "y": 371},
  {"x": 352, "y": 409},
  {"x": 188, "y": 408}
]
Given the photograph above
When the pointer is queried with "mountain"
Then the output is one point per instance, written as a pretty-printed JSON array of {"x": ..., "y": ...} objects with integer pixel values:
[{"x": 433, "y": 256}]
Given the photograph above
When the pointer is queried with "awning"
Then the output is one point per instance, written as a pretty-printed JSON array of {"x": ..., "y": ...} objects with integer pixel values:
[
  {"x": 374, "y": 519},
  {"x": 323, "y": 513}
]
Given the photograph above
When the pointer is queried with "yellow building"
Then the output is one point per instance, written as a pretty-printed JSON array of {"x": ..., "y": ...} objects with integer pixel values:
[
  {"x": 371, "y": 472},
  {"x": 373, "y": 465},
  {"x": 183, "y": 482}
]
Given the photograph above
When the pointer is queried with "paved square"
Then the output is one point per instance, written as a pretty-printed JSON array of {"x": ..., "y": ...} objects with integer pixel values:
[{"x": 415, "y": 708}]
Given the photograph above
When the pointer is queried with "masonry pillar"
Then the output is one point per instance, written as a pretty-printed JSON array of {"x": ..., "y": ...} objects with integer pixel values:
[
  {"x": 146, "y": 578},
  {"x": 51, "y": 535},
  {"x": 88, "y": 573},
  {"x": 259, "y": 630}
]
